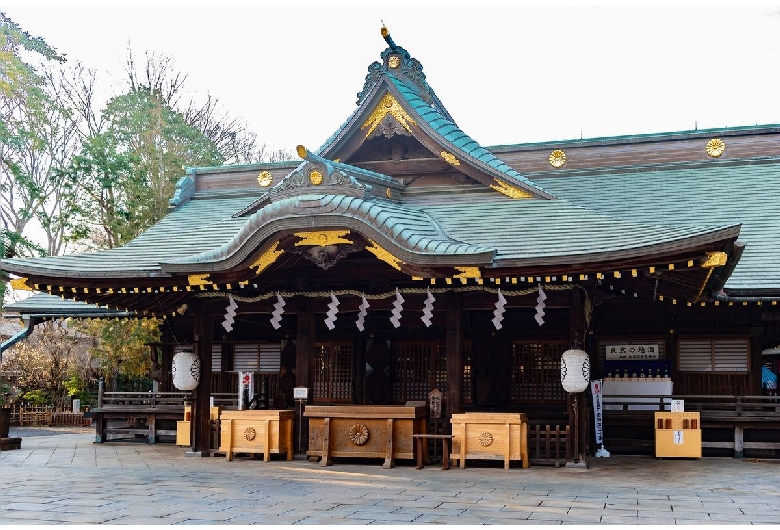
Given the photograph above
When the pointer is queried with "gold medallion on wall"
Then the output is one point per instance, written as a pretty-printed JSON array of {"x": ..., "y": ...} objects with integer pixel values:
[
  {"x": 265, "y": 179},
  {"x": 315, "y": 177},
  {"x": 715, "y": 147},
  {"x": 557, "y": 158}
]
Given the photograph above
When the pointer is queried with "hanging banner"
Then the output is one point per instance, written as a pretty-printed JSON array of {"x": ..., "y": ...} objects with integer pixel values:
[
  {"x": 246, "y": 389},
  {"x": 598, "y": 414}
]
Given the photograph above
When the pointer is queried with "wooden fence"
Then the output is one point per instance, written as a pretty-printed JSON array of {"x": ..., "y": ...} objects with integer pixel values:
[{"x": 46, "y": 417}]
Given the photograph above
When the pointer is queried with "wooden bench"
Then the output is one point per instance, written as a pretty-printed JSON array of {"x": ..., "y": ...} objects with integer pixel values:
[{"x": 422, "y": 449}]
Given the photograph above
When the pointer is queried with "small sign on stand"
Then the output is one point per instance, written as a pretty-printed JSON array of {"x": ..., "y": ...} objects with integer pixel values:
[
  {"x": 678, "y": 405},
  {"x": 301, "y": 396}
]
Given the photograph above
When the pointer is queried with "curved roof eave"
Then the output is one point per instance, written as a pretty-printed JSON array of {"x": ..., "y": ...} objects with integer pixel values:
[{"x": 411, "y": 235}]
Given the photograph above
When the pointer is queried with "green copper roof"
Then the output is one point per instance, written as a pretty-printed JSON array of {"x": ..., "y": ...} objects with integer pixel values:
[
  {"x": 722, "y": 193},
  {"x": 180, "y": 233},
  {"x": 546, "y": 232}
]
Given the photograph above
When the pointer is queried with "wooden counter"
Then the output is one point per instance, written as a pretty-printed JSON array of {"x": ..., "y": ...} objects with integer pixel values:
[
  {"x": 368, "y": 431},
  {"x": 256, "y": 431},
  {"x": 490, "y": 435}
]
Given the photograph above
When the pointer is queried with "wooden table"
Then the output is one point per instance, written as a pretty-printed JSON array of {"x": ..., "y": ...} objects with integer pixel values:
[
  {"x": 422, "y": 450},
  {"x": 367, "y": 431},
  {"x": 490, "y": 435},
  {"x": 256, "y": 431}
]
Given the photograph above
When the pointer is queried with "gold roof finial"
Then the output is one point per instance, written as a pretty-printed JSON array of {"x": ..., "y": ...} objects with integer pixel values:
[{"x": 386, "y": 35}]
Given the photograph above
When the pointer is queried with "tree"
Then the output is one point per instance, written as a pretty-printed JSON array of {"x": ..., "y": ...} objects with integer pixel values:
[
  {"x": 122, "y": 180},
  {"x": 121, "y": 346},
  {"x": 235, "y": 143},
  {"x": 25, "y": 111},
  {"x": 47, "y": 359}
]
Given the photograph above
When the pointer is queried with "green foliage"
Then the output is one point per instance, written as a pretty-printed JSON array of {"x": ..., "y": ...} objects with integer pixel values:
[
  {"x": 77, "y": 389},
  {"x": 121, "y": 345},
  {"x": 123, "y": 178},
  {"x": 36, "y": 398}
]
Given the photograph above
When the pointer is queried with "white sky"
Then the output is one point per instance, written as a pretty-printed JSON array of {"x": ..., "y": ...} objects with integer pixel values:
[{"x": 507, "y": 73}]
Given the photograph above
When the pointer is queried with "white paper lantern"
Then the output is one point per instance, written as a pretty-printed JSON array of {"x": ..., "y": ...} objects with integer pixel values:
[
  {"x": 186, "y": 370},
  {"x": 575, "y": 371}
]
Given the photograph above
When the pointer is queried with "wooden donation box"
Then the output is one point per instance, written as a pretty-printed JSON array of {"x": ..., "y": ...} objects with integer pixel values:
[
  {"x": 368, "y": 431},
  {"x": 677, "y": 434},
  {"x": 257, "y": 431},
  {"x": 491, "y": 436}
]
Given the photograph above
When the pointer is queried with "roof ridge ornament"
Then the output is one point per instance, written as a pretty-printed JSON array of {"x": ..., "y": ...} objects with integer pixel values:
[{"x": 396, "y": 61}]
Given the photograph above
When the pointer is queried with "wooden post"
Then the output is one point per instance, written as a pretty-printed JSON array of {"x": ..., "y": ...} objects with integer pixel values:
[
  {"x": 304, "y": 368},
  {"x": 389, "y": 449},
  {"x": 739, "y": 440},
  {"x": 454, "y": 348},
  {"x": 201, "y": 411}
]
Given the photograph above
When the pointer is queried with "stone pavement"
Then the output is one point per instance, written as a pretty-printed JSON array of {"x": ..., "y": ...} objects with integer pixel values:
[{"x": 68, "y": 479}]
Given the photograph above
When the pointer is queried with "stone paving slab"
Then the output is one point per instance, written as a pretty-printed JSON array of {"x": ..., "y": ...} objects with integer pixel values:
[{"x": 134, "y": 483}]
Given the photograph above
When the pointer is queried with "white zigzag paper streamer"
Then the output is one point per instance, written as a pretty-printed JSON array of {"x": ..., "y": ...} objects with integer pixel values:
[
  {"x": 362, "y": 313},
  {"x": 397, "y": 308},
  {"x": 276, "y": 318},
  {"x": 540, "y": 306},
  {"x": 230, "y": 314},
  {"x": 428, "y": 309},
  {"x": 333, "y": 309},
  {"x": 498, "y": 314}
]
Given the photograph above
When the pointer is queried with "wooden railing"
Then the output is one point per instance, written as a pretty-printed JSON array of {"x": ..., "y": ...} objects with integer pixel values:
[
  {"x": 548, "y": 444},
  {"x": 728, "y": 422},
  {"x": 108, "y": 400}
]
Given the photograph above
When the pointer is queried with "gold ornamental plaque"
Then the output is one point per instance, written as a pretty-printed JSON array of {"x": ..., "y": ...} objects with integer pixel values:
[
  {"x": 557, "y": 158},
  {"x": 715, "y": 147},
  {"x": 315, "y": 177},
  {"x": 265, "y": 179}
]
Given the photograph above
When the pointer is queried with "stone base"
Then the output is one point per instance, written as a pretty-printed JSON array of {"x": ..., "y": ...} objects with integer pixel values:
[
  {"x": 6, "y": 444},
  {"x": 576, "y": 465}
]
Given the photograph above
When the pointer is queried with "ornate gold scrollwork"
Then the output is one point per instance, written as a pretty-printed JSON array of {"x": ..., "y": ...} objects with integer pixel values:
[
  {"x": 557, "y": 158},
  {"x": 510, "y": 191},
  {"x": 394, "y": 61},
  {"x": 358, "y": 434},
  {"x": 485, "y": 439},
  {"x": 384, "y": 255},
  {"x": 468, "y": 272},
  {"x": 198, "y": 279},
  {"x": 715, "y": 147},
  {"x": 388, "y": 105},
  {"x": 20, "y": 284},
  {"x": 323, "y": 238},
  {"x": 267, "y": 258},
  {"x": 449, "y": 158},
  {"x": 715, "y": 259}
]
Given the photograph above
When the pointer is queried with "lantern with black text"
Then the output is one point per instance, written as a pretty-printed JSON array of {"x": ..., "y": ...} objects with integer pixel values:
[
  {"x": 575, "y": 371},
  {"x": 186, "y": 370}
]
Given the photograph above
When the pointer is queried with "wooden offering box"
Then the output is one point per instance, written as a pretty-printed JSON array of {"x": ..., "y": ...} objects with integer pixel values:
[
  {"x": 256, "y": 431},
  {"x": 368, "y": 431},
  {"x": 677, "y": 434},
  {"x": 490, "y": 435}
]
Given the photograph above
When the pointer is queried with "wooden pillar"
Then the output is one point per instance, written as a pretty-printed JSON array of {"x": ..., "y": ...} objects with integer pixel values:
[
  {"x": 304, "y": 368},
  {"x": 201, "y": 420},
  {"x": 454, "y": 347},
  {"x": 226, "y": 365},
  {"x": 578, "y": 405},
  {"x": 359, "y": 370}
]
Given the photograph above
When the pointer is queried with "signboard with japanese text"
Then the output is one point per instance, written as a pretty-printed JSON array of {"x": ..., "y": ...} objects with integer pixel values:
[{"x": 632, "y": 352}]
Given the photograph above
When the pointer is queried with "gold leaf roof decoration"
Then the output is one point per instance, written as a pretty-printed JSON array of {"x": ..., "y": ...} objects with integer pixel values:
[{"x": 388, "y": 105}]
